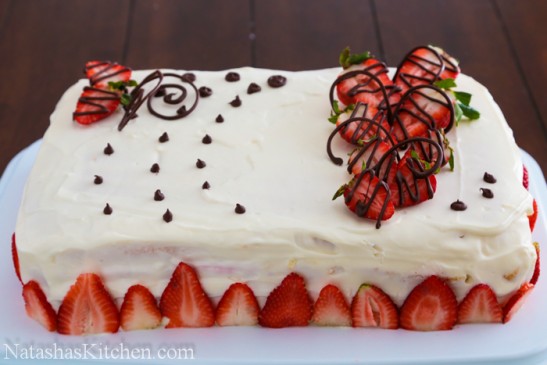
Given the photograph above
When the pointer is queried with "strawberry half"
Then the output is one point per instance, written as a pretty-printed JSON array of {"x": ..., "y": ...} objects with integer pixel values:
[
  {"x": 15, "y": 258},
  {"x": 237, "y": 307},
  {"x": 480, "y": 305},
  {"x": 532, "y": 219},
  {"x": 371, "y": 307},
  {"x": 331, "y": 308},
  {"x": 288, "y": 305},
  {"x": 95, "y": 104},
  {"x": 100, "y": 73},
  {"x": 408, "y": 188},
  {"x": 371, "y": 155},
  {"x": 537, "y": 268},
  {"x": 184, "y": 301},
  {"x": 362, "y": 123},
  {"x": 37, "y": 306},
  {"x": 430, "y": 306},
  {"x": 88, "y": 308},
  {"x": 515, "y": 302},
  {"x": 139, "y": 310},
  {"x": 525, "y": 177}
]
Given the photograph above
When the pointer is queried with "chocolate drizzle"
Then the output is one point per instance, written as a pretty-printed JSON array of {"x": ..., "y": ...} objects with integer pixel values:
[
  {"x": 253, "y": 88},
  {"x": 431, "y": 69},
  {"x": 236, "y": 103},
  {"x": 108, "y": 150},
  {"x": 168, "y": 216},
  {"x": 95, "y": 103},
  {"x": 105, "y": 71},
  {"x": 362, "y": 206},
  {"x": 458, "y": 205},
  {"x": 276, "y": 81}
]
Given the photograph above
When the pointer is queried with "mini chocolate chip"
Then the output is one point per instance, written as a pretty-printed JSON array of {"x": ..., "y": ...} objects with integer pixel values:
[
  {"x": 205, "y": 185},
  {"x": 489, "y": 178},
  {"x": 108, "y": 150},
  {"x": 155, "y": 168},
  {"x": 98, "y": 180},
  {"x": 277, "y": 81},
  {"x": 236, "y": 102},
  {"x": 164, "y": 137},
  {"x": 232, "y": 77},
  {"x": 188, "y": 77},
  {"x": 107, "y": 209},
  {"x": 207, "y": 139},
  {"x": 158, "y": 196},
  {"x": 200, "y": 164},
  {"x": 253, "y": 88},
  {"x": 219, "y": 119},
  {"x": 487, "y": 193},
  {"x": 240, "y": 209},
  {"x": 204, "y": 91},
  {"x": 167, "y": 216},
  {"x": 458, "y": 205}
]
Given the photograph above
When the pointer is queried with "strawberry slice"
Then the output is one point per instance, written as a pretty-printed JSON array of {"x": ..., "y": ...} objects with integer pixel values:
[
  {"x": 532, "y": 219},
  {"x": 15, "y": 258},
  {"x": 372, "y": 155},
  {"x": 331, "y": 308},
  {"x": 430, "y": 306},
  {"x": 95, "y": 104},
  {"x": 525, "y": 177},
  {"x": 100, "y": 73},
  {"x": 480, "y": 305},
  {"x": 88, "y": 308},
  {"x": 288, "y": 305},
  {"x": 368, "y": 197},
  {"x": 427, "y": 151},
  {"x": 408, "y": 187},
  {"x": 537, "y": 269},
  {"x": 371, "y": 307},
  {"x": 139, "y": 310},
  {"x": 515, "y": 302},
  {"x": 362, "y": 123},
  {"x": 184, "y": 301},
  {"x": 37, "y": 306},
  {"x": 238, "y": 307}
]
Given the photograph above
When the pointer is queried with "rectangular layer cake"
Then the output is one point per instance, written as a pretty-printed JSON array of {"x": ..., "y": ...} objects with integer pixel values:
[{"x": 241, "y": 190}]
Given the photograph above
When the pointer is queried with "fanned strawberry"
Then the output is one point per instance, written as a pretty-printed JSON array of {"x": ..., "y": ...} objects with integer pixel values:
[
  {"x": 408, "y": 188},
  {"x": 95, "y": 104},
  {"x": 371, "y": 307},
  {"x": 430, "y": 306},
  {"x": 480, "y": 305},
  {"x": 537, "y": 269},
  {"x": 533, "y": 217},
  {"x": 516, "y": 301},
  {"x": 100, "y": 73},
  {"x": 331, "y": 308},
  {"x": 288, "y": 305},
  {"x": 15, "y": 258},
  {"x": 362, "y": 123},
  {"x": 184, "y": 302},
  {"x": 237, "y": 307},
  {"x": 139, "y": 309},
  {"x": 374, "y": 154},
  {"x": 87, "y": 308},
  {"x": 37, "y": 306},
  {"x": 525, "y": 177}
]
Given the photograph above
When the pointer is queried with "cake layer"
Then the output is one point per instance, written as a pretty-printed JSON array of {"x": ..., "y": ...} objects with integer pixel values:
[{"x": 269, "y": 156}]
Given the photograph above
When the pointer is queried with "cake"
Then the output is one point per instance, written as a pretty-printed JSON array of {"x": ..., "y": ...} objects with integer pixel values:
[{"x": 189, "y": 198}]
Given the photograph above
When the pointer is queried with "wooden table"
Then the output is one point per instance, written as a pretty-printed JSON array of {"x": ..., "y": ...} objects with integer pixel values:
[{"x": 44, "y": 45}]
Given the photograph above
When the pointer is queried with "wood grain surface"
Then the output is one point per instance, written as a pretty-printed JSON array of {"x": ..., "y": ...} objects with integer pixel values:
[{"x": 45, "y": 43}]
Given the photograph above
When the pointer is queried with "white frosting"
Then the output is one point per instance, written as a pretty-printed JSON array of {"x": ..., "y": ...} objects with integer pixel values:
[{"x": 269, "y": 155}]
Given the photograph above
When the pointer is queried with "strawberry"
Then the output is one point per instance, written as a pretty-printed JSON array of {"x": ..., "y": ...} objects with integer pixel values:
[
  {"x": 362, "y": 123},
  {"x": 37, "y": 306},
  {"x": 15, "y": 258},
  {"x": 87, "y": 308},
  {"x": 238, "y": 307},
  {"x": 95, "y": 104},
  {"x": 371, "y": 155},
  {"x": 100, "y": 73},
  {"x": 525, "y": 178},
  {"x": 184, "y": 302},
  {"x": 480, "y": 305},
  {"x": 368, "y": 197},
  {"x": 371, "y": 307},
  {"x": 533, "y": 217},
  {"x": 430, "y": 306},
  {"x": 515, "y": 302},
  {"x": 537, "y": 269},
  {"x": 408, "y": 187},
  {"x": 331, "y": 308},
  {"x": 139, "y": 309},
  {"x": 288, "y": 305},
  {"x": 427, "y": 151}
]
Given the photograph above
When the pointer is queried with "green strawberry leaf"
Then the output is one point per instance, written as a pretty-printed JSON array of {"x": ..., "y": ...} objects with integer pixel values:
[
  {"x": 469, "y": 112},
  {"x": 445, "y": 84},
  {"x": 463, "y": 97},
  {"x": 347, "y": 59}
]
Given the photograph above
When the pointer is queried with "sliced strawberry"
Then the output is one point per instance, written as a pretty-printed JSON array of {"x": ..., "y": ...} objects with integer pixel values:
[
  {"x": 139, "y": 309},
  {"x": 87, "y": 308},
  {"x": 532, "y": 219},
  {"x": 430, "y": 306},
  {"x": 37, "y": 306},
  {"x": 331, "y": 308},
  {"x": 371, "y": 307},
  {"x": 368, "y": 197},
  {"x": 15, "y": 258},
  {"x": 95, "y": 104},
  {"x": 426, "y": 150},
  {"x": 184, "y": 301},
  {"x": 288, "y": 305},
  {"x": 408, "y": 187},
  {"x": 537, "y": 269},
  {"x": 362, "y": 123},
  {"x": 525, "y": 177},
  {"x": 100, "y": 73},
  {"x": 375, "y": 154},
  {"x": 516, "y": 301},
  {"x": 480, "y": 305},
  {"x": 237, "y": 307}
]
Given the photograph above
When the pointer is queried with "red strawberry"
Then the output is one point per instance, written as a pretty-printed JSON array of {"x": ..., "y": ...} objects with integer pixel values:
[
  {"x": 95, "y": 104},
  {"x": 288, "y": 305},
  {"x": 366, "y": 123},
  {"x": 430, "y": 306},
  {"x": 37, "y": 306},
  {"x": 371, "y": 307},
  {"x": 139, "y": 309},
  {"x": 100, "y": 73},
  {"x": 537, "y": 269},
  {"x": 533, "y": 217},
  {"x": 331, "y": 308},
  {"x": 368, "y": 197},
  {"x": 88, "y": 308},
  {"x": 372, "y": 155},
  {"x": 525, "y": 178},
  {"x": 425, "y": 150},
  {"x": 15, "y": 258},
  {"x": 480, "y": 305},
  {"x": 238, "y": 307},
  {"x": 184, "y": 302},
  {"x": 410, "y": 189},
  {"x": 516, "y": 301}
]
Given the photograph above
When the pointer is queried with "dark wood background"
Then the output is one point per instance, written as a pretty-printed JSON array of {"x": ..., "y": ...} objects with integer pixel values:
[{"x": 44, "y": 45}]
